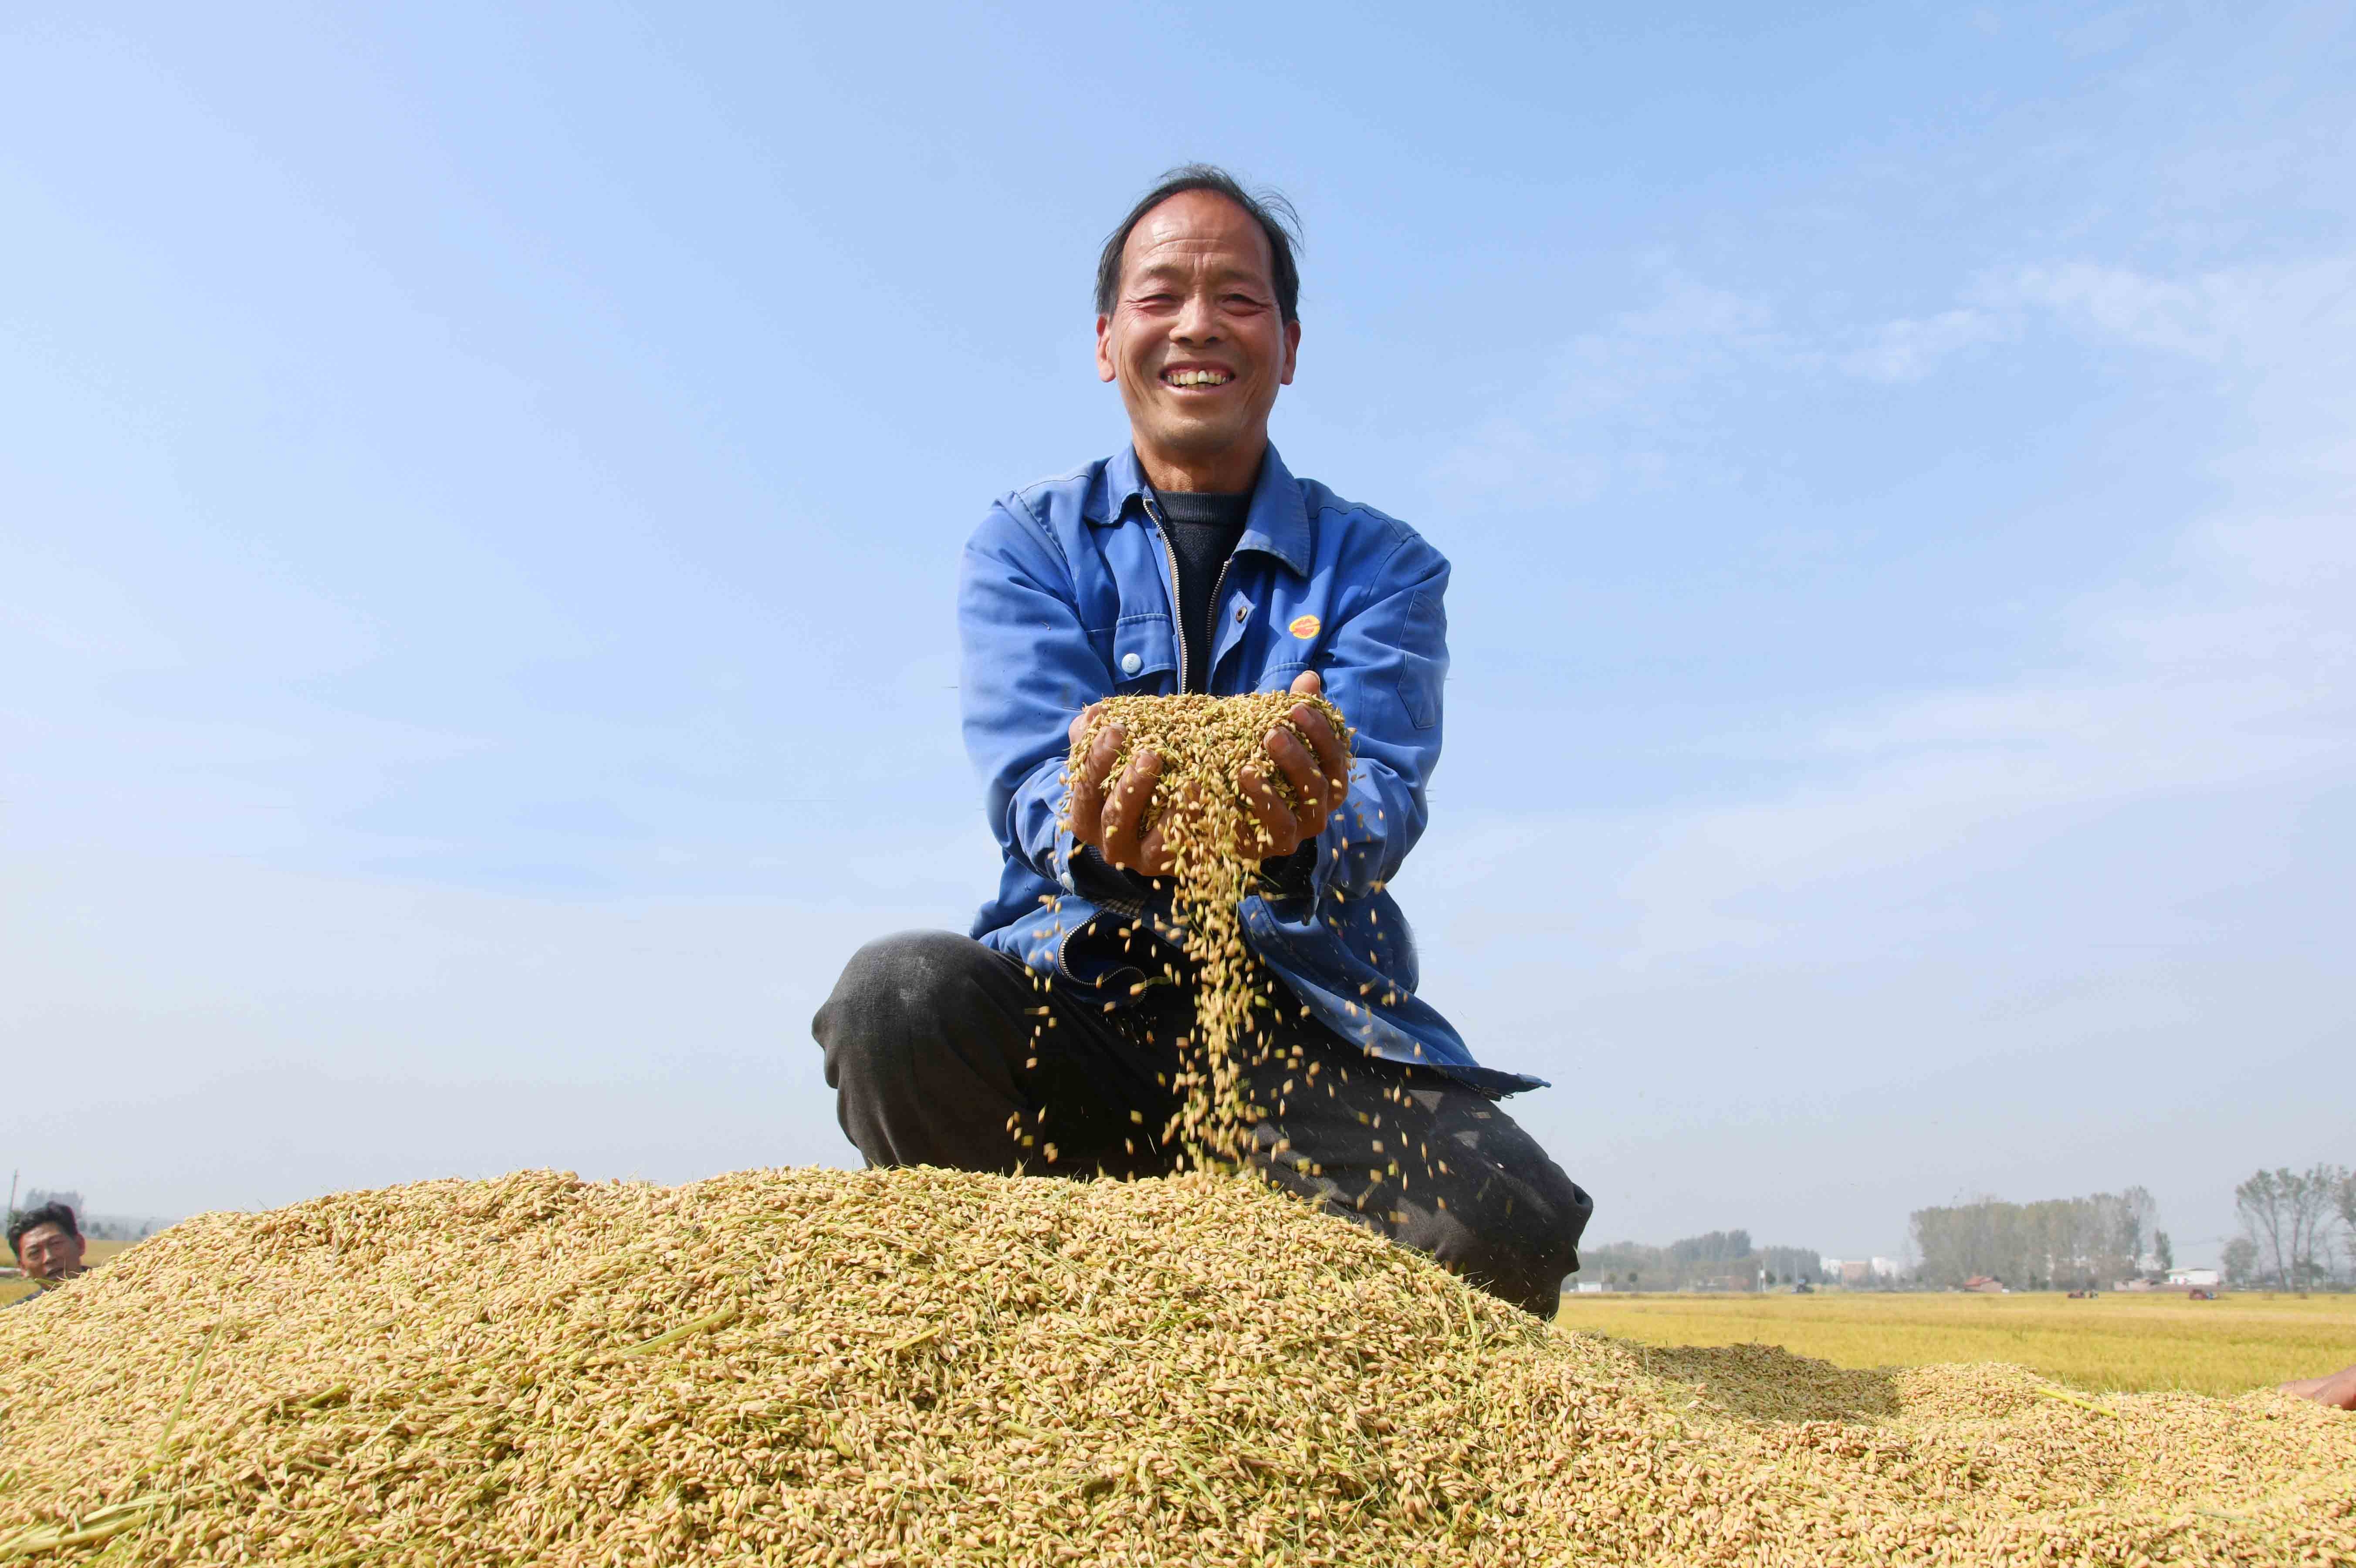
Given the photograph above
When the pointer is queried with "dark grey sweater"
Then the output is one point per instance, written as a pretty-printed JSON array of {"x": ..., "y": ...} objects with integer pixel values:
[{"x": 1202, "y": 527}]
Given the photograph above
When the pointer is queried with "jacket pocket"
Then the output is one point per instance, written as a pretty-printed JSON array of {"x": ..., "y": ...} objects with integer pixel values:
[
  {"x": 1423, "y": 661},
  {"x": 1280, "y": 677},
  {"x": 1143, "y": 651}
]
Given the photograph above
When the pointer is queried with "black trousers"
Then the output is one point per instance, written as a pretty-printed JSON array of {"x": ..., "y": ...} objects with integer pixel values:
[{"x": 943, "y": 1052}]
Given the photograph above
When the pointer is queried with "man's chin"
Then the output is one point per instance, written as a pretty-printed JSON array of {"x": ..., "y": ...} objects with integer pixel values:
[{"x": 1201, "y": 439}]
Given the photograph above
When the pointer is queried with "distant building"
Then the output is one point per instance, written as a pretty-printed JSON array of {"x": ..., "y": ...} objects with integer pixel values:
[
  {"x": 1725, "y": 1282},
  {"x": 2199, "y": 1278},
  {"x": 1858, "y": 1273},
  {"x": 1985, "y": 1285}
]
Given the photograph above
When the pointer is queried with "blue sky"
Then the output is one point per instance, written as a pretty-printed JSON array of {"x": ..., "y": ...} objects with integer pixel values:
[{"x": 480, "y": 493}]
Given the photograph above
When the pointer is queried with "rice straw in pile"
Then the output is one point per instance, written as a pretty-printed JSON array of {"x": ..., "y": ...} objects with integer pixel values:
[
  {"x": 1208, "y": 744},
  {"x": 921, "y": 1367}
]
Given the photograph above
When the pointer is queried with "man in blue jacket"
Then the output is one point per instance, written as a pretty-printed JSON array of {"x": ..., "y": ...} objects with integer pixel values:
[{"x": 1047, "y": 1041}]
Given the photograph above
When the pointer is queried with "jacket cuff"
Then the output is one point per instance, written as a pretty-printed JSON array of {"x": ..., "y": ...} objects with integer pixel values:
[{"x": 1098, "y": 880}]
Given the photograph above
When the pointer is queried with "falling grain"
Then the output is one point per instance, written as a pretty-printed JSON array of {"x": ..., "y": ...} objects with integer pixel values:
[{"x": 1212, "y": 748}]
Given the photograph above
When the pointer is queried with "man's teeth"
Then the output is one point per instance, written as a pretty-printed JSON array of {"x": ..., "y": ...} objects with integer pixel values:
[{"x": 1197, "y": 378}]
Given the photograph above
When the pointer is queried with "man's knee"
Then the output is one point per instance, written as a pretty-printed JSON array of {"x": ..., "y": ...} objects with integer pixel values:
[
  {"x": 895, "y": 992},
  {"x": 1518, "y": 1236}
]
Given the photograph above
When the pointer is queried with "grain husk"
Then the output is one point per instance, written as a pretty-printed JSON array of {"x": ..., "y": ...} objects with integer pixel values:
[{"x": 924, "y": 1367}]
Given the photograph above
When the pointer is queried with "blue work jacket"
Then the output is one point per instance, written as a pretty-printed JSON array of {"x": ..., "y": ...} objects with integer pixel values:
[{"x": 1066, "y": 595}]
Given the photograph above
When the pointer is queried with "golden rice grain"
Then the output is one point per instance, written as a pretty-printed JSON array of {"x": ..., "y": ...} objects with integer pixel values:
[
  {"x": 1208, "y": 746},
  {"x": 924, "y": 1367}
]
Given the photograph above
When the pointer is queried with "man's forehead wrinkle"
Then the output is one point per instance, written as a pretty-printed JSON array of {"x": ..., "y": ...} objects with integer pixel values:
[
  {"x": 1184, "y": 262},
  {"x": 1218, "y": 267}
]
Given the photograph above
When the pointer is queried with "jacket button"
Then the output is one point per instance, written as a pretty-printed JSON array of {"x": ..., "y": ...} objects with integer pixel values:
[
  {"x": 1241, "y": 611},
  {"x": 1131, "y": 664}
]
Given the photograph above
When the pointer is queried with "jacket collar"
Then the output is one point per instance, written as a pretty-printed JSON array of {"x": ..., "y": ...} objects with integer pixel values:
[{"x": 1277, "y": 525}]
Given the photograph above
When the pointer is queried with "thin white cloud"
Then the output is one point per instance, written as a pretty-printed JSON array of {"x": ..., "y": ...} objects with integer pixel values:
[
  {"x": 2109, "y": 875},
  {"x": 2236, "y": 667},
  {"x": 1622, "y": 408},
  {"x": 1911, "y": 348},
  {"x": 1615, "y": 409}
]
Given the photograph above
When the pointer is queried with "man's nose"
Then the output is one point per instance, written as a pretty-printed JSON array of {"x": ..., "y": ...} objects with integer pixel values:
[{"x": 1197, "y": 322}]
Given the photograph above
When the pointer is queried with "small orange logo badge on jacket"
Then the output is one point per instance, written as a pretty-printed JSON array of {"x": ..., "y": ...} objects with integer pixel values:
[{"x": 1305, "y": 626}]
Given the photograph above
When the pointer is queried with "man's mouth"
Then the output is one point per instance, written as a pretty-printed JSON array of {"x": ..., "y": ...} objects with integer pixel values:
[{"x": 1196, "y": 377}]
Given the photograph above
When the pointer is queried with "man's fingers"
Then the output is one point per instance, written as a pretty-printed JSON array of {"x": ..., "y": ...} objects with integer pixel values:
[
  {"x": 1102, "y": 753},
  {"x": 1331, "y": 763},
  {"x": 1153, "y": 858},
  {"x": 1278, "y": 833},
  {"x": 1321, "y": 738},
  {"x": 1083, "y": 816},
  {"x": 1086, "y": 818},
  {"x": 1309, "y": 783},
  {"x": 1124, "y": 812}
]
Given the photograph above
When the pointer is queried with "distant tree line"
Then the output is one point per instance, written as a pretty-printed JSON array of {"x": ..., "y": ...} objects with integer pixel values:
[
  {"x": 2297, "y": 1227},
  {"x": 1719, "y": 1259},
  {"x": 2062, "y": 1244},
  {"x": 2298, "y": 1233}
]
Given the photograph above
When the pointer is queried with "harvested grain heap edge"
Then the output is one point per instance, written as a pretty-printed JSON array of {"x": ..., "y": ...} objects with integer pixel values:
[
  {"x": 1212, "y": 751},
  {"x": 923, "y": 1367}
]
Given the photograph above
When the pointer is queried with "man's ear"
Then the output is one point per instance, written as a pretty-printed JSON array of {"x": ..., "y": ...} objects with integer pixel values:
[
  {"x": 1106, "y": 371},
  {"x": 1291, "y": 351}
]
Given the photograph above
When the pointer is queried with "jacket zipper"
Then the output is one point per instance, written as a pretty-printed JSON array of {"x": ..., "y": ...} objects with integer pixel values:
[
  {"x": 1177, "y": 596},
  {"x": 1177, "y": 615},
  {"x": 1216, "y": 584},
  {"x": 1178, "y": 622}
]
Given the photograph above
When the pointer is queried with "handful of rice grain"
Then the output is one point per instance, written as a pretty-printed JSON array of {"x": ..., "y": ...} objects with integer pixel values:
[{"x": 1207, "y": 746}]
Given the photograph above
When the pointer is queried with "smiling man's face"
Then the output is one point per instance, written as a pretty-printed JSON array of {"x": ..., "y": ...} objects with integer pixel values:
[
  {"x": 49, "y": 1252},
  {"x": 1197, "y": 343}
]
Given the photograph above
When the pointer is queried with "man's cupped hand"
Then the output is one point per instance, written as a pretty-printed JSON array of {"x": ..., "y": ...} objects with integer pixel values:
[{"x": 1109, "y": 814}]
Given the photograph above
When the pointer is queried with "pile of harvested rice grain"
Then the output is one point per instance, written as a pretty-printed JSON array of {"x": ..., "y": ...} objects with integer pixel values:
[
  {"x": 921, "y": 1367},
  {"x": 1200, "y": 804}
]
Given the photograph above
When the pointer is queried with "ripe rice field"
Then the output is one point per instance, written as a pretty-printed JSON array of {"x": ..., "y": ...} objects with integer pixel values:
[{"x": 2128, "y": 1343}]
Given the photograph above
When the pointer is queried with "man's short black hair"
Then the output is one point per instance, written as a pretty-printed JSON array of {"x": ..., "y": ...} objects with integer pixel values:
[
  {"x": 1269, "y": 208},
  {"x": 55, "y": 1214}
]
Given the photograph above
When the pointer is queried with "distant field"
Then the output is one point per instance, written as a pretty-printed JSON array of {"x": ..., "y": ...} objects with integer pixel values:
[
  {"x": 10, "y": 1289},
  {"x": 2113, "y": 1341}
]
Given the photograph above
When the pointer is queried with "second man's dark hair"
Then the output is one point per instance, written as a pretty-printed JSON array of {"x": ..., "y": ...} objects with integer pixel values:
[
  {"x": 55, "y": 1214},
  {"x": 1269, "y": 208}
]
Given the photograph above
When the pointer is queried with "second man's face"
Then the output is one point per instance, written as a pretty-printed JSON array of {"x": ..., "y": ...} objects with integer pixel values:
[
  {"x": 49, "y": 1252},
  {"x": 1195, "y": 339}
]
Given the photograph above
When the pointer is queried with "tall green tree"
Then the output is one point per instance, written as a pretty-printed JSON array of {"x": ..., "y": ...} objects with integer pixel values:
[
  {"x": 2059, "y": 1242},
  {"x": 2287, "y": 1215}
]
